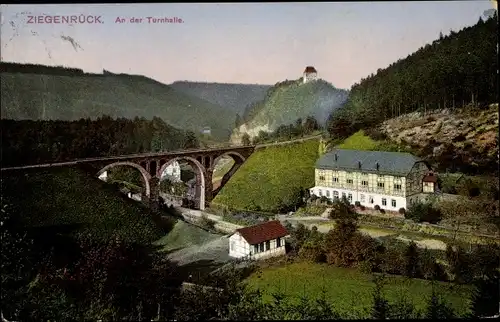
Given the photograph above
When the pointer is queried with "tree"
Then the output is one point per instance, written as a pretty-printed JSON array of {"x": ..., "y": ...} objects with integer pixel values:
[
  {"x": 299, "y": 129},
  {"x": 459, "y": 263},
  {"x": 342, "y": 209},
  {"x": 238, "y": 121},
  {"x": 310, "y": 125},
  {"x": 437, "y": 307},
  {"x": 245, "y": 139},
  {"x": 190, "y": 141},
  {"x": 485, "y": 297},
  {"x": 411, "y": 260},
  {"x": 381, "y": 307},
  {"x": 452, "y": 72},
  {"x": 16, "y": 263}
]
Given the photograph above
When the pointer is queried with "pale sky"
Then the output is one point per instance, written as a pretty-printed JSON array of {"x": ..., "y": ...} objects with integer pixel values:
[{"x": 257, "y": 43}]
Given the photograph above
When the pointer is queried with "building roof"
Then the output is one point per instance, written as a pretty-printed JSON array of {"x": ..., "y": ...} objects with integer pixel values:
[
  {"x": 263, "y": 232},
  {"x": 390, "y": 163},
  {"x": 310, "y": 69},
  {"x": 430, "y": 177}
]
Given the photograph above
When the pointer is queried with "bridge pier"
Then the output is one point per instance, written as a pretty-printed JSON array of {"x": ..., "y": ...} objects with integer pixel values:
[
  {"x": 154, "y": 196},
  {"x": 209, "y": 185}
]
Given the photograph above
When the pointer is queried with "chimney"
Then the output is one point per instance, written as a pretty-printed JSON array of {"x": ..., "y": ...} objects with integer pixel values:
[
  {"x": 378, "y": 166},
  {"x": 359, "y": 164},
  {"x": 336, "y": 157}
]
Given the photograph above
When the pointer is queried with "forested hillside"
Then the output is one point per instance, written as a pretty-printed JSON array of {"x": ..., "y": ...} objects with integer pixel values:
[
  {"x": 454, "y": 71},
  {"x": 288, "y": 101},
  {"x": 235, "y": 97},
  {"x": 36, "y": 92},
  {"x": 34, "y": 142}
]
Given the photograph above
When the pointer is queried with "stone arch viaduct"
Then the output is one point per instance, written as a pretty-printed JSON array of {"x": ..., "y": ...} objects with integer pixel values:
[{"x": 152, "y": 165}]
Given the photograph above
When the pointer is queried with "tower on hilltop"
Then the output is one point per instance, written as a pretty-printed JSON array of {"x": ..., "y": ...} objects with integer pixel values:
[{"x": 310, "y": 74}]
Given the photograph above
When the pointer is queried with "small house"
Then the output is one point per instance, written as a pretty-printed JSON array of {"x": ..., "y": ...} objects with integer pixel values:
[
  {"x": 310, "y": 74},
  {"x": 172, "y": 172},
  {"x": 206, "y": 130},
  {"x": 429, "y": 183},
  {"x": 258, "y": 241}
]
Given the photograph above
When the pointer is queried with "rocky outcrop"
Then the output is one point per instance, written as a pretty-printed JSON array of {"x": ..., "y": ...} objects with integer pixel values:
[{"x": 470, "y": 132}]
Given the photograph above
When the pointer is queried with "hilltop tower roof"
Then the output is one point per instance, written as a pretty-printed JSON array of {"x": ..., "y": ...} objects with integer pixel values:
[{"x": 310, "y": 69}]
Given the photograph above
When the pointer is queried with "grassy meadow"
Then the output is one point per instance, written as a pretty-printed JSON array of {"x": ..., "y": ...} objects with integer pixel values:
[
  {"x": 361, "y": 141},
  {"x": 68, "y": 197},
  {"x": 349, "y": 290},
  {"x": 269, "y": 176}
]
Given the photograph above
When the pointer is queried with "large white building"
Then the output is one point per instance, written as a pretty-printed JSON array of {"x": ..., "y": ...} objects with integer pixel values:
[
  {"x": 391, "y": 180},
  {"x": 260, "y": 241},
  {"x": 172, "y": 172}
]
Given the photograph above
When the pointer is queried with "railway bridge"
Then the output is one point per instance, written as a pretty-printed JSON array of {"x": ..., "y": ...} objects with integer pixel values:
[{"x": 152, "y": 165}]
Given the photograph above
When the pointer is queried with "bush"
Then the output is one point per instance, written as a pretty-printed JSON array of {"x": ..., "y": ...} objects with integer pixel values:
[
  {"x": 342, "y": 209},
  {"x": 392, "y": 261},
  {"x": 324, "y": 199},
  {"x": 357, "y": 204},
  {"x": 206, "y": 223},
  {"x": 366, "y": 267},
  {"x": 402, "y": 211},
  {"x": 423, "y": 211},
  {"x": 363, "y": 208},
  {"x": 382, "y": 211},
  {"x": 377, "y": 207}
]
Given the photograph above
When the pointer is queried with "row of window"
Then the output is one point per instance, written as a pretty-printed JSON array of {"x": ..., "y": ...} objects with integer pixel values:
[
  {"x": 380, "y": 182},
  {"x": 364, "y": 183},
  {"x": 259, "y": 248},
  {"x": 361, "y": 197}
]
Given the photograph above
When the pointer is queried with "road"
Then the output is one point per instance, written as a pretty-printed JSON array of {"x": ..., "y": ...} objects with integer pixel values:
[{"x": 258, "y": 146}]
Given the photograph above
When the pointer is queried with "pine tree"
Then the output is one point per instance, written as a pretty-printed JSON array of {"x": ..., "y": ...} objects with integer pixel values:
[
  {"x": 237, "y": 121},
  {"x": 380, "y": 307},
  {"x": 437, "y": 307},
  {"x": 485, "y": 298}
]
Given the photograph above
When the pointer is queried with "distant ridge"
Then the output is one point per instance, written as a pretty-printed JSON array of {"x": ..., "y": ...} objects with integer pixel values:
[
  {"x": 235, "y": 97},
  {"x": 36, "y": 92}
]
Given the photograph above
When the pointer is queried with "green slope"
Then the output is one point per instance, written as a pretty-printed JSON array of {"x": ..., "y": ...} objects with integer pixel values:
[
  {"x": 290, "y": 100},
  {"x": 43, "y": 96},
  {"x": 270, "y": 176},
  {"x": 69, "y": 197}
]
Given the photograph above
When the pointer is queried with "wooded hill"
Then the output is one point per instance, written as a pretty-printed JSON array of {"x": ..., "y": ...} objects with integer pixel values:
[
  {"x": 33, "y": 142},
  {"x": 454, "y": 71},
  {"x": 37, "y": 92},
  {"x": 288, "y": 101}
]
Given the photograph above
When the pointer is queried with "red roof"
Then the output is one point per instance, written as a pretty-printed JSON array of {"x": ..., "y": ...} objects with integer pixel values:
[
  {"x": 263, "y": 232},
  {"x": 310, "y": 69},
  {"x": 430, "y": 178}
]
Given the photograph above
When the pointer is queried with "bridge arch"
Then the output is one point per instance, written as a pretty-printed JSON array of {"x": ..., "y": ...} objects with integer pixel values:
[
  {"x": 237, "y": 157},
  {"x": 145, "y": 175},
  {"x": 200, "y": 175}
]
